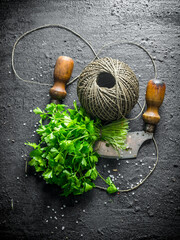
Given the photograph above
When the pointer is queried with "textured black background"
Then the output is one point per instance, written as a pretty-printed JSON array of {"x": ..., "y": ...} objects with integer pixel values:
[{"x": 150, "y": 212}]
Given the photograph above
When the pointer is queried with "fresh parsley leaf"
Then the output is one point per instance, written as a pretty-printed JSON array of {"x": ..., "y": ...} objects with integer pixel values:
[
  {"x": 34, "y": 145},
  {"x": 47, "y": 174},
  {"x": 37, "y": 111},
  {"x": 112, "y": 189},
  {"x": 87, "y": 187},
  {"x": 109, "y": 181}
]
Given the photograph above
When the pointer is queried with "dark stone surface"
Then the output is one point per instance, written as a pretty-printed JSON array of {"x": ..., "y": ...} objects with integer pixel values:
[{"x": 150, "y": 212}]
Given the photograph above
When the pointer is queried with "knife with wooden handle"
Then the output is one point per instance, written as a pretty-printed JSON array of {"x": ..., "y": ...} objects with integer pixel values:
[{"x": 154, "y": 98}]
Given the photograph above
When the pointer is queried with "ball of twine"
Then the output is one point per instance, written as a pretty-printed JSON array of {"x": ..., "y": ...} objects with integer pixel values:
[{"x": 108, "y": 89}]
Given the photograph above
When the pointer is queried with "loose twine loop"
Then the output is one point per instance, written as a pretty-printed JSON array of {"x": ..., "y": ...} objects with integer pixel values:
[{"x": 108, "y": 65}]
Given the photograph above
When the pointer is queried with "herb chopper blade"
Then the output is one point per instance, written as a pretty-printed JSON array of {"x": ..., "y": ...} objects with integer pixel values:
[{"x": 154, "y": 97}]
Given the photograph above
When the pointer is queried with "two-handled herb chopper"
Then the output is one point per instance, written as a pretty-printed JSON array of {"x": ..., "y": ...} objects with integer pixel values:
[{"x": 154, "y": 98}]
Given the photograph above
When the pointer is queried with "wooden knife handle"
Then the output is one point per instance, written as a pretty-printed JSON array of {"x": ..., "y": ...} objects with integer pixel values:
[
  {"x": 154, "y": 97},
  {"x": 62, "y": 73}
]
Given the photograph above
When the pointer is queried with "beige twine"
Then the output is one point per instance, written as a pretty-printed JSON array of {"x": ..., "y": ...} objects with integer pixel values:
[{"x": 108, "y": 103}]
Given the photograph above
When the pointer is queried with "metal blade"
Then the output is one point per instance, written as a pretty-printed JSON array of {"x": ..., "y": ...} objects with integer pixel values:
[{"x": 134, "y": 142}]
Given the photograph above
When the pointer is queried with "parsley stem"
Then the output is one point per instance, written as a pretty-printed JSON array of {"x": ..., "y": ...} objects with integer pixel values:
[
  {"x": 103, "y": 188},
  {"x": 101, "y": 176},
  {"x": 80, "y": 137}
]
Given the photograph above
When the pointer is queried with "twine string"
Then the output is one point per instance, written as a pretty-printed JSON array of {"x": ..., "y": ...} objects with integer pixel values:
[
  {"x": 99, "y": 92},
  {"x": 131, "y": 43},
  {"x": 39, "y": 28},
  {"x": 112, "y": 103}
]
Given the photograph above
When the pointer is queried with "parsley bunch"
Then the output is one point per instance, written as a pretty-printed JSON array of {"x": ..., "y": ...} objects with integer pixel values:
[{"x": 65, "y": 154}]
